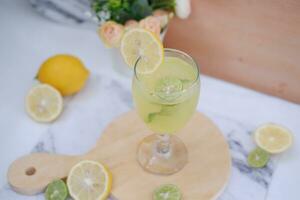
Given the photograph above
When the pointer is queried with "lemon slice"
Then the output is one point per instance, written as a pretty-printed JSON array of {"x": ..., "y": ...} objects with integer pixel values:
[
  {"x": 273, "y": 138},
  {"x": 138, "y": 43},
  {"x": 44, "y": 103},
  {"x": 89, "y": 180},
  {"x": 168, "y": 88}
]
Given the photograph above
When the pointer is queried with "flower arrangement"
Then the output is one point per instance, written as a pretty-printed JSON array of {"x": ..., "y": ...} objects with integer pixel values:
[{"x": 116, "y": 16}]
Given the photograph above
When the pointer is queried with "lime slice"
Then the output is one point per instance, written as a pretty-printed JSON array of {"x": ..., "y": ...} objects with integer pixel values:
[
  {"x": 44, "y": 103},
  {"x": 273, "y": 138},
  {"x": 167, "y": 192},
  {"x": 138, "y": 43},
  {"x": 258, "y": 158},
  {"x": 89, "y": 180},
  {"x": 168, "y": 88},
  {"x": 56, "y": 190}
]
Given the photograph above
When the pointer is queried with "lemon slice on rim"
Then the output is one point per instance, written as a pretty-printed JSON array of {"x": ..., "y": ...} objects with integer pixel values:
[
  {"x": 138, "y": 43},
  {"x": 273, "y": 138},
  {"x": 44, "y": 103},
  {"x": 89, "y": 180}
]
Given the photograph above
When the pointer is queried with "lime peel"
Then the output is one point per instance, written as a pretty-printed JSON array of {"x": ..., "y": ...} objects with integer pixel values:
[
  {"x": 258, "y": 158},
  {"x": 167, "y": 192},
  {"x": 56, "y": 190}
]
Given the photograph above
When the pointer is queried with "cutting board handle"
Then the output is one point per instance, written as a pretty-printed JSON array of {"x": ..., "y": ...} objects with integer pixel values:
[{"x": 32, "y": 173}]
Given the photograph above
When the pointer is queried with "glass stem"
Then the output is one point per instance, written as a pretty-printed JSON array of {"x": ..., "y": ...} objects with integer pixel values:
[{"x": 163, "y": 145}]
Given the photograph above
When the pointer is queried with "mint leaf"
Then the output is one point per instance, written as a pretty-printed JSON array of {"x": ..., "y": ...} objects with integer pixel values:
[
  {"x": 150, "y": 117},
  {"x": 165, "y": 111}
]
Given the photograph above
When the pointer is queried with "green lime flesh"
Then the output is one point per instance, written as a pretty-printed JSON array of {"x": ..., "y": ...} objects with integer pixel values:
[
  {"x": 167, "y": 192},
  {"x": 56, "y": 190},
  {"x": 258, "y": 158}
]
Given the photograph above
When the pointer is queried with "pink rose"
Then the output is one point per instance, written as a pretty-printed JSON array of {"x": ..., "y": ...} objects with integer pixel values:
[
  {"x": 151, "y": 24},
  {"x": 111, "y": 33},
  {"x": 163, "y": 17},
  {"x": 131, "y": 24}
]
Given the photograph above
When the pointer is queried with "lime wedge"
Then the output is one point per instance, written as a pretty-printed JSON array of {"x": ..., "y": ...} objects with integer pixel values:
[
  {"x": 168, "y": 88},
  {"x": 258, "y": 158},
  {"x": 56, "y": 190},
  {"x": 167, "y": 192}
]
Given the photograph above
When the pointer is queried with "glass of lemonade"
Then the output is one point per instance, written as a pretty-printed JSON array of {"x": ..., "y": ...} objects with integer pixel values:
[{"x": 166, "y": 99}]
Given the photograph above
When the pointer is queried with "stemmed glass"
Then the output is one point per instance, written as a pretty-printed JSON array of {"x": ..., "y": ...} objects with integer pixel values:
[{"x": 166, "y": 99}]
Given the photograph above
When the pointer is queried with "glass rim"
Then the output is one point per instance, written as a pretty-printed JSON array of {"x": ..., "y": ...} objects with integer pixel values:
[{"x": 194, "y": 62}]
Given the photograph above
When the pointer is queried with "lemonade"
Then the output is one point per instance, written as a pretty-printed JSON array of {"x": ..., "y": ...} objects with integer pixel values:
[{"x": 167, "y": 98}]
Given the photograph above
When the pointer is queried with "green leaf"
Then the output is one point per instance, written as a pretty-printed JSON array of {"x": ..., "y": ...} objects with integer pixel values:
[
  {"x": 123, "y": 10},
  {"x": 114, "y": 4},
  {"x": 140, "y": 9},
  {"x": 163, "y": 4}
]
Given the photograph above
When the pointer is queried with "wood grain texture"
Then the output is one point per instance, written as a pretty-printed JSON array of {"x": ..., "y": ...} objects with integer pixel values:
[
  {"x": 204, "y": 177},
  {"x": 253, "y": 43}
]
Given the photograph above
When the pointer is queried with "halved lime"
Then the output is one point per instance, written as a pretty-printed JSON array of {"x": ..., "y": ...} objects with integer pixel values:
[
  {"x": 258, "y": 158},
  {"x": 167, "y": 192},
  {"x": 56, "y": 190},
  {"x": 168, "y": 88}
]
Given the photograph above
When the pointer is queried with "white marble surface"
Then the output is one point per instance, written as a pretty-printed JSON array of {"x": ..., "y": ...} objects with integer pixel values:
[{"x": 26, "y": 40}]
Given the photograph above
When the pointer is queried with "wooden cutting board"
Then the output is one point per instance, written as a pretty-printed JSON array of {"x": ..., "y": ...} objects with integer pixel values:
[
  {"x": 255, "y": 43},
  {"x": 204, "y": 177}
]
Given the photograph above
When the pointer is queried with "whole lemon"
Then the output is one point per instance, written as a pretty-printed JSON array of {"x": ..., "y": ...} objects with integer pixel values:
[{"x": 64, "y": 72}]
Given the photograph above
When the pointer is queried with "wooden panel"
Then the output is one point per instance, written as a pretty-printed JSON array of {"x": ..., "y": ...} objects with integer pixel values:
[
  {"x": 255, "y": 43},
  {"x": 204, "y": 176}
]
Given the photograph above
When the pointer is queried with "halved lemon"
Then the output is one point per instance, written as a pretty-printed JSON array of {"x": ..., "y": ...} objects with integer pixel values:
[
  {"x": 273, "y": 138},
  {"x": 138, "y": 43},
  {"x": 89, "y": 180},
  {"x": 44, "y": 103}
]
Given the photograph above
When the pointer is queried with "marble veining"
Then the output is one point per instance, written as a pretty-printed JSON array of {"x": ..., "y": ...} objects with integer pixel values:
[
  {"x": 235, "y": 110},
  {"x": 67, "y": 11},
  {"x": 255, "y": 182},
  {"x": 109, "y": 99},
  {"x": 45, "y": 145}
]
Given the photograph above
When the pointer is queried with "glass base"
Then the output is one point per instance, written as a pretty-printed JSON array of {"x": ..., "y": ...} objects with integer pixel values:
[{"x": 162, "y": 160}]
